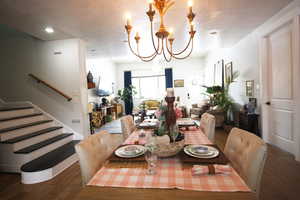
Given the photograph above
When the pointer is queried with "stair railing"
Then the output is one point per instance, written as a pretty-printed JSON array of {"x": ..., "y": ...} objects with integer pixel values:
[{"x": 50, "y": 86}]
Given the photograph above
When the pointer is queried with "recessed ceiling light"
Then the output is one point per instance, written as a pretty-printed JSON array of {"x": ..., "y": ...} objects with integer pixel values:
[
  {"x": 213, "y": 33},
  {"x": 49, "y": 29}
]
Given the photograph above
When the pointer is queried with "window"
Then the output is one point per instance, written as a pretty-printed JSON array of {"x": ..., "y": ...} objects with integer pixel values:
[{"x": 149, "y": 87}]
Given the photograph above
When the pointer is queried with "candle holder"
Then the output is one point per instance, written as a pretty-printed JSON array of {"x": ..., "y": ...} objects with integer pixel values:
[{"x": 170, "y": 115}]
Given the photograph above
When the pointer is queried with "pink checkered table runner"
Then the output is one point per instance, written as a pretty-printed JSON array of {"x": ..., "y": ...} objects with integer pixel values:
[
  {"x": 191, "y": 137},
  {"x": 170, "y": 174}
]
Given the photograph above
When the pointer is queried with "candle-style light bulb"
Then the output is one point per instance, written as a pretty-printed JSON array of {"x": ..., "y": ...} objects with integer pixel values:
[
  {"x": 171, "y": 33},
  {"x": 150, "y": 5},
  {"x": 128, "y": 19},
  {"x": 190, "y": 5},
  {"x": 137, "y": 34},
  {"x": 192, "y": 26}
]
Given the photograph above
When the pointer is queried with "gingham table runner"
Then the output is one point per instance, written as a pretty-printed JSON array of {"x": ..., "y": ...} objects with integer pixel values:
[
  {"x": 170, "y": 174},
  {"x": 191, "y": 137}
]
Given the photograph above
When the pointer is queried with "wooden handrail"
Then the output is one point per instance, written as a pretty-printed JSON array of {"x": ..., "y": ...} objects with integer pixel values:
[{"x": 49, "y": 86}]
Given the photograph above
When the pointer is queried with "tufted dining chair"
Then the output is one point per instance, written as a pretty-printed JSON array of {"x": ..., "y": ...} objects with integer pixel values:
[
  {"x": 93, "y": 151},
  {"x": 247, "y": 154},
  {"x": 127, "y": 125},
  {"x": 207, "y": 125}
]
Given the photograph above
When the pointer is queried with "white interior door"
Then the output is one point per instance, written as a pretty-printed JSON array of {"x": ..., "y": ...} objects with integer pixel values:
[{"x": 280, "y": 53}]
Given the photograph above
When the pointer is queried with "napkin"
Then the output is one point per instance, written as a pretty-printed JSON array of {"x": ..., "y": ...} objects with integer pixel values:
[{"x": 213, "y": 169}]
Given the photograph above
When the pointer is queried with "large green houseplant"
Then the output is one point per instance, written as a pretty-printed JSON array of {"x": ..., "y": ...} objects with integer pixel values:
[{"x": 220, "y": 97}]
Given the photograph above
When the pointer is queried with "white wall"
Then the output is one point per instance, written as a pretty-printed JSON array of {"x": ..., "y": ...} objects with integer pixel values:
[
  {"x": 245, "y": 58},
  {"x": 21, "y": 54},
  {"x": 189, "y": 69},
  {"x": 106, "y": 70}
]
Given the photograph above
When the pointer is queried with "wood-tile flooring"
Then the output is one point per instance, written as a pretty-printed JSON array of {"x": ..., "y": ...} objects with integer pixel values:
[{"x": 281, "y": 180}]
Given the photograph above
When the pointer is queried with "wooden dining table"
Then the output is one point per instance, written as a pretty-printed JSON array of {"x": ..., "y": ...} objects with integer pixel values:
[
  {"x": 91, "y": 192},
  {"x": 113, "y": 193}
]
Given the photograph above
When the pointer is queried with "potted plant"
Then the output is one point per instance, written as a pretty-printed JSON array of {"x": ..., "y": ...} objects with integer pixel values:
[
  {"x": 126, "y": 94},
  {"x": 220, "y": 97}
]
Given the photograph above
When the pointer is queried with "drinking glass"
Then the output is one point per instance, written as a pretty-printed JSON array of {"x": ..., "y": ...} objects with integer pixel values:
[{"x": 151, "y": 159}]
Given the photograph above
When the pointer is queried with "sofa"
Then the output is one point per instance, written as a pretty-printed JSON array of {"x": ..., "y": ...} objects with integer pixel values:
[
  {"x": 204, "y": 107},
  {"x": 151, "y": 104},
  {"x": 198, "y": 109}
]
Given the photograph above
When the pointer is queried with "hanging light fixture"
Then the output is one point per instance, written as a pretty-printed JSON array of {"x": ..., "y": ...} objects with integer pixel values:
[{"x": 165, "y": 37}]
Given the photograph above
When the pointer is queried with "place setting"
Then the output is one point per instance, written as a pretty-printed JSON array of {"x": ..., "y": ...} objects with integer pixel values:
[
  {"x": 201, "y": 151},
  {"x": 202, "y": 154},
  {"x": 148, "y": 124},
  {"x": 130, "y": 151},
  {"x": 186, "y": 122}
]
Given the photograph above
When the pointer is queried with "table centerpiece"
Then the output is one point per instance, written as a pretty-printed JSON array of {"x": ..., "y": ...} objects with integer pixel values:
[{"x": 167, "y": 116}]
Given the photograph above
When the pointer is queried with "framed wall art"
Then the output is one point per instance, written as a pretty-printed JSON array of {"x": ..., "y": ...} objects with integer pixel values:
[
  {"x": 228, "y": 72},
  {"x": 219, "y": 73},
  {"x": 250, "y": 88},
  {"x": 179, "y": 83}
]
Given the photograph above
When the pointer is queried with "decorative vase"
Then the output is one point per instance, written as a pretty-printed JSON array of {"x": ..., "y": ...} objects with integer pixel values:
[{"x": 90, "y": 77}]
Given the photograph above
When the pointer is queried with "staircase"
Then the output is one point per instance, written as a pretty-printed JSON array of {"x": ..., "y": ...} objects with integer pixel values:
[{"x": 33, "y": 144}]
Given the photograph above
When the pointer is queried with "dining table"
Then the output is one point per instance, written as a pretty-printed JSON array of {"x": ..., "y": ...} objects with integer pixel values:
[{"x": 111, "y": 183}]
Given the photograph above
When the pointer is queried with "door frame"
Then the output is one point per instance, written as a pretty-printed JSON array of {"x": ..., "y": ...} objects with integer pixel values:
[{"x": 294, "y": 18}]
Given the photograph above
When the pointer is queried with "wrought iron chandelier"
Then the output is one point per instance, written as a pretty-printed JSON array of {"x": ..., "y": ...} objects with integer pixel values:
[{"x": 165, "y": 38}]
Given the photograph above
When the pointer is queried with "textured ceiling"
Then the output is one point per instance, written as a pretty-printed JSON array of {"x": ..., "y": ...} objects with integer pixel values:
[{"x": 101, "y": 22}]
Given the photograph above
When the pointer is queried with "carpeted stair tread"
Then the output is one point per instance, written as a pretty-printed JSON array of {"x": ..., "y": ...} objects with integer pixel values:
[
  {"x": 24, "y": 125},
  {"x": 30, "y": 135},
  {"x": 11, "y": 108},
  {"x": 50, "y": 159},
  {"x": 21, "y": 117},
  {"x": 42, "y": 144}
]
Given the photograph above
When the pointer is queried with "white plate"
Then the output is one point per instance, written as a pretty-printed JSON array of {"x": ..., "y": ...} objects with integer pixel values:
[
  {"x": 200, "y": 150},
  {"x": 210, "y": 149},
  {"x": 186, "y": 123},
  {"x": 147, "y": 124},
  {"x": 121, "y": 152}
]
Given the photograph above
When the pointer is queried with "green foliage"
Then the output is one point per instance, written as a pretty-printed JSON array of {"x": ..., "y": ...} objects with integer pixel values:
[
  {"x": 220, "y": 96},
  {"x": 127, "y": 93},
  {"x": 108, "y": 118},
  {"x": 162, "y": 129},
  {"x": 213, "y": 89}
]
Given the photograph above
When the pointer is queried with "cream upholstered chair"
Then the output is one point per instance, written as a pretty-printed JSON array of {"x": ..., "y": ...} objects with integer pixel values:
[
  {"x": 127, "y": 125},
  {"x": 247, "y": 154},
  {"x": 93, "y": 151},
  {"x": 207, "y": 125}
]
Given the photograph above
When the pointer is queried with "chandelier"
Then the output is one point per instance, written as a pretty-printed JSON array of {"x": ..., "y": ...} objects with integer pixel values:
[{"x": 165, "y": 37}]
